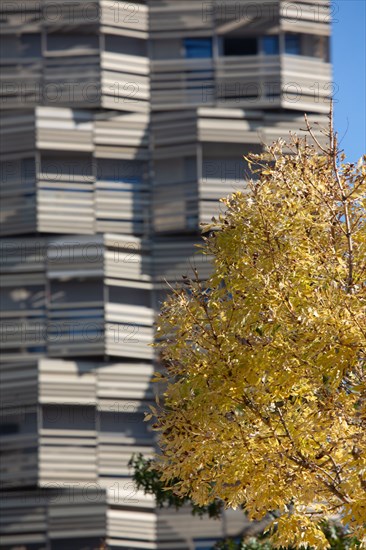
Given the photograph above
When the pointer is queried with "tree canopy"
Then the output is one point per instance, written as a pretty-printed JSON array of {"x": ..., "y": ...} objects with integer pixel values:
[{"x": 264, "y": 363}]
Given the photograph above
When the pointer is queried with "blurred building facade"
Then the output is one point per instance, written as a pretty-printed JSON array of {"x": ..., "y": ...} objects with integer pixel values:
[{"x": 123, "y": 124}]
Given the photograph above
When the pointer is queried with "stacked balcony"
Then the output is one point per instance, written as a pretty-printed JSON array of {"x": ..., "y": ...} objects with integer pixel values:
[
  {"x": 85, "y": 423},
  {"x": 198, "y": 159},
  {"x": 77, "y": 54},
  {"x": 74, "y": 171},
  {"x": 76, "y": 296},
  {"x": 98, "y": 55},
  {"x": 239, "y": 54}
]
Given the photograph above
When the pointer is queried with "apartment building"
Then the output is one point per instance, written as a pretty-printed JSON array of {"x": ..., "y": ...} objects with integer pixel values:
[{"x": 123, "y": 124}]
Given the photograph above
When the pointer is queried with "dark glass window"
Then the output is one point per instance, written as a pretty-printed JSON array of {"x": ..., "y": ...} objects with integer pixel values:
[
  {"x": 68, "y": 417},
  {"x": 28, "y": 168},
  {"x": 85, "y": 543},
  {"x": 292, "y": 44},
  {"x": 31, "y": 45},
  {"x": 116, "y": 171},
  {"x": 125, "y": 45},
  {"x": 24, "y": 45},
  {"x": 270, "y": 45},
  {"x": 71, "y": 41},
  {"x": 9, "y": 429},
  {"x": 198, "y": 47},
  {"x": 240, "y": 46},
  {"x": 130, "y": 296},
  {"x": 321, "y": 47}
]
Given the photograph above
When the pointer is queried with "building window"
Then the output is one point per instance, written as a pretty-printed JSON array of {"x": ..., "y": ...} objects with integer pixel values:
[
  {"x": 134, "y": 297},
  {"x": 292, "y": 44},
  {"x": 125, "y": 45},
  {"x": 9, "y": 429},
  {"x": 31, "y": 45},
  {"x": 198, "y": 47},
  {"x": 57, "y": 42},
  {"x": 270, "y": 45},
  {"x": 320, "y": 46},
  {"x": 240, "y": 46},
  {"x": 68, "y": 417}
]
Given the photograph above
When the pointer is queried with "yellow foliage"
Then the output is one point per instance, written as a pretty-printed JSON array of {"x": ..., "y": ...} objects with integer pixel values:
[{"x": 265, "y": 402}]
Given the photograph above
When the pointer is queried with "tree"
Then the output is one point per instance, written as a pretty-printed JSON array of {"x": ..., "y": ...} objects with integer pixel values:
[
  {"x": 148, "y": 479},
  {"x": 265, "y": 398}
]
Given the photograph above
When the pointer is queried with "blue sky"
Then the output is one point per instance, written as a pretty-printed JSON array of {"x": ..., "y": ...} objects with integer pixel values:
[{"x": 349, "y": 62}]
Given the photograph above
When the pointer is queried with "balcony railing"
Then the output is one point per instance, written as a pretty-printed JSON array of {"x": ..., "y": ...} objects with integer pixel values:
[
  {"x": 181, "y": 83},
  {"x": 263, "y": 81}
]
